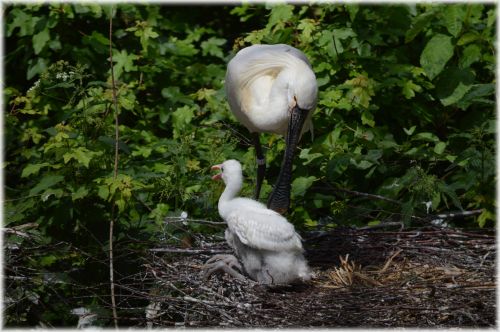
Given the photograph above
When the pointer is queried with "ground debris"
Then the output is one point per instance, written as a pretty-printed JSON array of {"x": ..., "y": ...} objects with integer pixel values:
[{"x": 428, "y": 277}]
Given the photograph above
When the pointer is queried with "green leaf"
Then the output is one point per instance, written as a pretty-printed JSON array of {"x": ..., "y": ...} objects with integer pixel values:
[
  {"x": 47, "y": 182},
  {"x": 484, "y": 217},
  {"x": 367, "y": 119},
  {"x": 52, "y": 192},
  {"x": 418, "y": 24},
  {"x": 362, "y": 164},
  {"x": 309, "y": 157},
  {"x": 436, "y": 54},
  {"x": 468, "y": 37},
  {"x": 471, "y": 54},
  {"x": 352, "y": 9},
  {"x": 32, "y": 169},
  {"x": 124, "y": 62},
  {"x": 82, "y": 155},
  {"x": 409, "y": 89},
  {"x": 48, "y": 260},
  {"x": 103, "y": 191},
  {"x": 410, "y": 131},
  {"x": 478, "y": 92},
  {"x": 453, "y": 16},
  {"x": 279, "y": 15},
  {"x": 40, "y": 40},
  {"x": 307, "y": 26},
  {"x": 439, "y": 147},
  {"x": 426, "y": 136},
  {"x": 80, "y": 193},
  {"x": 212, "y": 47},
  {"x": 301, "y": 184},
  {"x": 37, "y": 68},
  {"x": 181, "y": 118},
  {"x": 453, "y": 84},
  {"x": 22, "y": 20}
]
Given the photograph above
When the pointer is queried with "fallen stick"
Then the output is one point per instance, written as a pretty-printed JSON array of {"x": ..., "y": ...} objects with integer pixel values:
[{"x": 191, "y": 251}]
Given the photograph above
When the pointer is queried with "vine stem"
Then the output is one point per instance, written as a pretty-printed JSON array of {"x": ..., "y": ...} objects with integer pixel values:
[{"x": 115, "y": 173}]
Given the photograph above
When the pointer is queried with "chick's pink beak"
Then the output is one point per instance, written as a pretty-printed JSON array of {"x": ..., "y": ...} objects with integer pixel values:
[{"x": 219, "y": 175}]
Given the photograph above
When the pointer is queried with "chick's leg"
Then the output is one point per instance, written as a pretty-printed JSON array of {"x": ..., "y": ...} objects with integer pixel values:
[{"x": 223, "y": 263}]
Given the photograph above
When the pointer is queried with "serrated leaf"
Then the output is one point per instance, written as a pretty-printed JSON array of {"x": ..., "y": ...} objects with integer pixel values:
[
  {"x": 32, "y": 169},
  {"x": 82, "y": 155},
  {"x": 409, "y": 89},
  {"x": 436, "y": 54},
  {"x": 280, "y": 14},
  {"x": 124, "y": 62},
  {"x": 212, "y": 46},
  {"x": 182, "y": 117},
  {"x": 22, "y": 20}
]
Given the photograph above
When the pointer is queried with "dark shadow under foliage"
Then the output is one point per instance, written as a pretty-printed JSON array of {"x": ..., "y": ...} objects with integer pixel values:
[{"x": 427, "y": 277}]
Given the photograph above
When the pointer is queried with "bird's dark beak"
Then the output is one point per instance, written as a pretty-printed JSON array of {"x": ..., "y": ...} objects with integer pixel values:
[
  {"x": 279, "y": 200},
  {"x": 219, "y": 175}
]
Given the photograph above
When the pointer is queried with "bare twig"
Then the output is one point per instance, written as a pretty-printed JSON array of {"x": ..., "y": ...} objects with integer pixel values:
[
  {"x": 384, "y": 225},
  {"x": 115, "y": 172},
  {"x": 191, "y": 251},
  {"x": 373, "y": 196},
  {"x": 197, "y": 221}
]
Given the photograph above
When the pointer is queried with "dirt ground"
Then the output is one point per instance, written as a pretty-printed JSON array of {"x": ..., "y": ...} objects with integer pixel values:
[{"x": 428, "y": 277}]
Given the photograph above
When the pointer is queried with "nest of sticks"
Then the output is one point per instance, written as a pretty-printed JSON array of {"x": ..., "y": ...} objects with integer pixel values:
[
  {"x": 426, "y": 277},
  {"x": 430, "y": 277}
]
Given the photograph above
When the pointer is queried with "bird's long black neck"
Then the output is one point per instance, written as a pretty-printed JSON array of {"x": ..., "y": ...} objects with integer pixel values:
[{"x": 279, "y": 200}]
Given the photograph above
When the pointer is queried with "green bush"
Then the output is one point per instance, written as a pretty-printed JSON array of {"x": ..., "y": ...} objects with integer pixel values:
[{"x": 406, "y": 111}]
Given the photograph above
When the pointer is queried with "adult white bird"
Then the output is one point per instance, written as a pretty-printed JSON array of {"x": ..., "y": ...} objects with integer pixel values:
[
  {"x": 266, "y": 243},
  {"x": 272, "y": 89}
]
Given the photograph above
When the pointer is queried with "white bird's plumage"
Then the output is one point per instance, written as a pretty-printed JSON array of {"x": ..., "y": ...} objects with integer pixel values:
[
  {"x": 263, "y": 82},
  {"x": 261, "y": 228},
  {"x": 267, "y": 244}
]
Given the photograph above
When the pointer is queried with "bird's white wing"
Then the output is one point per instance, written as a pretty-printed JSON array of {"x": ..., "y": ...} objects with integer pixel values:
[
  {"x": 261, "y": 60},
  {"x": 263, "y": 229}
]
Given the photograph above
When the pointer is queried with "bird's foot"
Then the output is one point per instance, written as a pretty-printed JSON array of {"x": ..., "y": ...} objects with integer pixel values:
[{"x": 223, "y": 263}]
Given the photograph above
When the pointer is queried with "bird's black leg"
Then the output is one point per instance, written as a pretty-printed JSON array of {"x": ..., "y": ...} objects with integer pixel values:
[
  {"x": 261, "y": 164},
  {"x": 279, "y": 200}
]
